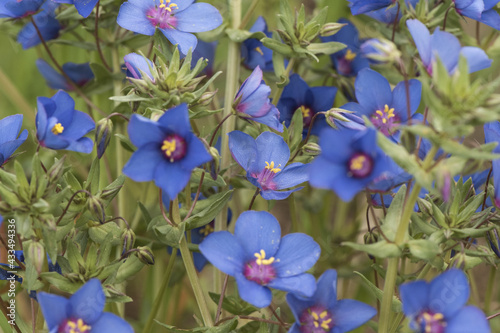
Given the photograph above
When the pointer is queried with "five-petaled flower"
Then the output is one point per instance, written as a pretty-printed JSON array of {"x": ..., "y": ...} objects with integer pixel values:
[
  {"x": 479, "y": 10},
  {"x": 60, "y": 126},
  {"x": 167, "y": 150},
  {"x": 253, "y": 52},
  {"x": 323, "y": 313},
  {"x": 260, "y": 259},
  {"x": 349, "y": 167},
  {"x": 264, "y": 159},
  {"x": 176, "y": 19},
  {"x": 80, "y": 74},
  {"x": 439, "y": 306},
  {"x": 82, "y": 312},
  {"x": 10, "y": 139},
  {"x": 19, "y": 9},
  {"x": 252, "y": 101}
]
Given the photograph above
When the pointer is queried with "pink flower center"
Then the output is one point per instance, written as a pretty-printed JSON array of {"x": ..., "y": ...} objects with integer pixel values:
[
  {"x": 384, "y": 120},
  {"x": 266, "y": 176},
  {"x": 360, "y": 165},
  {"x": 431, "y": 322},
  {"x": 174, "y": 147},
  {"x": 316, "y": 319},
  {"x": 260, "y": 270},
  {"x": 162, "y": 16},
  {"x": 74, "y": 326}
]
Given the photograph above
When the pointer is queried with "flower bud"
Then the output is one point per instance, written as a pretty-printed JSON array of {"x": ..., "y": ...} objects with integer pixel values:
[
  {"x": 103, "y": 132},
  {"x": 311, "y": 149},
  {"x": 215, "y": 163},
  {"x": 336, "y": 117},
  {"x": 36, "y": 255},
  {"x": 109, "y": 193},
  {"x": 128, "y": 240},
  {"x": 96, "y": 207},
  {"x": 494, "y": 241},
  {"x": 206, "y": 98},
  {"x": 330, "y": 29},
  {"x": 145, "y": 255},
  {"x": 56, "y": 171},
  {"x": 380, "y": 51}
]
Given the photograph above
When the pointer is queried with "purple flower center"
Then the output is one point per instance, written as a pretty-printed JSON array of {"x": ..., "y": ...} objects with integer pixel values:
[
  {"x": 266, "y": 176},
  {"x": 307, "y": 115},
  {"x": 174, "y": 147},
  {"x": 385, "y": 120},
  {"x": 260, "y": 270},
  {"x": 431, "y": 322},
  {"x": 344, "y": 66},
  {"x": 316, "y": 319},
  {"x": 360, "y": 165},
  {"x": 162, "y": 16},
  {"x": 73, "y": 326}
]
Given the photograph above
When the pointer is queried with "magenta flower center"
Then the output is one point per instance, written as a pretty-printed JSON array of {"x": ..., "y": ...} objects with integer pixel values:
[
  {"x": 161, "y": 16},
  {"x": 316, "y": 319},
  {"x": 260, "y": 270},
  {"x": 360, "y": 165},
  {"x": 74, "y": 326},
  {"x": 174, "y": 147},
  {"x": 385, "y": 120},
  {"x": 266, "y": 176},
  {"x": 344, "y": 66},
  {"x": 307, "y": 115},
  {"x": 431, "y": 322}
]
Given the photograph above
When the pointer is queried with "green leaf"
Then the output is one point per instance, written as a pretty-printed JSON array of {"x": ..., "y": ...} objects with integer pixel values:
[
  {"x": 277, "y": 46},
  {"x": 125, "y": 142},
  {"x": 129, "y": 98},
  {"x": 396, "y": 303},
  {"x": 325, "y": 48},
  {"x": 216, "y": 203},
  {"x": 472, "y": 232},
  {"x": 128, "y": 269},
  {"x": 423, "y": 249},
  {"x": 49, "y": 242},
  {"x": 99, "y": 233},
  {"x": 166, "y": 233},
  {"x": 60, "y": 282},
  {"x": 295, "y": 130},
  {"x": 394, "y": 213},
  {"x": 239, "y": 36},
  {"x": 233, "y": 304},
  {"x": 92, "y": 182},
  {"x": 381, "y": 249}
]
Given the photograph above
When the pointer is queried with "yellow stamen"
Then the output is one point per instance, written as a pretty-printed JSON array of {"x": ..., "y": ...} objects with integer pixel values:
[
  {"x": 167, "y": 2},
  {"x": 207, "y": 230},
  {"x": 358, "y": 162},
  {"x": 169, "y": 147},
  {"x": 272, "y": 168},
  {"x": 325, "y": 324},
  {"x": 349, "y": 55},
  {"x": 316, "y": 324},
  {"x": 314, "y": 315},
  {"x": 323, "y": 314},
  {"x": 57, "y": 129},
  {"x": 306, "y": 112},
  {"x": 258, "y": 49},
  {"x": 261, "y": 258},
  {"x": 438, "y": 316}
]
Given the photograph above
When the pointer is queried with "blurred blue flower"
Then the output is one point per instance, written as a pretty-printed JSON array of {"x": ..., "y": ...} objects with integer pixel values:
[
  {"x": 350, "y": 160},
  {"x": 60, "y": 126},
  {"x": 205, "y": 50},
  {"x": 45, "y": 21},
  {"x": 259, "y": 259},
  {"x": 439, "y": 306},
  {"x": 323, "y": 313},
  {"x": 492, "y": 134},
  {"x": 19, "y": 9},
  {"x": 364, "y": 6},
  {"x": 254, "y": 53},
  {"x": 84, "y": 7},
  {"x": 137, "y": 65},
  {"x": 447, "y": 47},
  {"x": 479, "y": 10},
  {"x": 349, "y": 61},
  {"x": 177, "y": 20},
  {"x": 385, "y": 108},
  {"x": 82, "y": 312},
  {"x": 252, "y": 101},
  {"x": 298, "y": 95},
  {"x": 10, "y": 139},
  {"x": 80, "y": 74},
  {"x": 167, "y": 150},
  {"x": 388, "y": 14},
  {"x": 264, "y": 159}
]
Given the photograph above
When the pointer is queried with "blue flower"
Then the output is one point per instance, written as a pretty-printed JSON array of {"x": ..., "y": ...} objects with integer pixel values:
[
  {"x": 177, "y": 20},
  {"x": 349, "y": 61},
  {"x": 84, "y": 7},
  {"x": 385, "y": 108},
  {"x": 298, "y": 95},
  {"x": 349, "y": 161},
  {"x": 492, "y": 134},
  {"x": 80, "y": 74},
  {"x": 137, "y": 65},
  {"x": 10, "y": 139},
  {"x": 60, "y": 126},
  {"x": 388, "y": 14},
  {"x": 82, "y": 312},
  {"x": 254, "y": 53},
  {"x": 264, "y": 159},
  {"x": 439, "y": 306},
  {"x": 364, "y": 6},
  {"x": 447, "y": 47},
  {"x": 167, "y": 150},
  {"x": 479, "y": 10},
  {"x": 252, "y": 101},
  {"x": 47, "y": 24},
  {"x": 19, "y": 9},
  {"x": 259, "y": 259},
  {"x": 323, "y": 313}
]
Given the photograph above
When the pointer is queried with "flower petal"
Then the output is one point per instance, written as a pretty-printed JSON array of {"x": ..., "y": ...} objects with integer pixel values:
[
  {"x": 109, "y": 322},
  {"x": 414, "y": 296},
  {"x": 277, "y": 195},
  {"x": 422, "y": 38},
  {"x": 253, "y": 292},
  {"x": 85, "y": 7},
  {"x": 349, "y": 314},
  {"x": 142, "y": 164},
  {"x": 372, "y": 90},
  {"x": 292, "y": 175},
  {"x": 449, "y": 292},
  {"x": 399, "y": 98},
  {"x": 297, "y": 253},
  {"x": 54, "y": 309},
  {"x": 184, "y": 40},
  {"x": 326, "y": 292},
  {"x": 447, "y": 47},
  {"x": 87, "y": 302},
  {"x": 270, "y": 148},
  {"x": 133, "y": 18},
  {"x": 468, "y": 319},
  {"x": 257, "y": 231},
  {"x": 476, "y": 58},
  {"x": 176, "y": 120},
  {"x": 171, "y": 177},
  {"x": 243, "y": 148},
  {"x": 198, "y": 17},
  {"x": 303, "y": 285},
  {"x": 142, "y": 131},
  {"x": 224, "y": 251}
]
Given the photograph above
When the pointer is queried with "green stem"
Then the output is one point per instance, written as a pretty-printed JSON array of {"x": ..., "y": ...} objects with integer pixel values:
[
  {"x": 392, "y": 268},
  {"x": 489, "y": 289},
  {"x": 249, "y": 13},
  {"x": 293, "y": 213},
  {"x": 278, "y": 92},
  {"x": 159, "y": 296}
]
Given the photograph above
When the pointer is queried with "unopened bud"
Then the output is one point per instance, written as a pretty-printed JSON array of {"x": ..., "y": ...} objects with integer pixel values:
[
  {"x": 56, "y": 171},
  {"x": 145, "y": 255},
  {"x": 128, "y": 240},
  {"x": 104, "y": 130},
  {"x": 36, "y": 255},
  {"x": 380, "y": 51},
  {"x": 96, "y": 207},
  {"x": 494, "y": 241},
  {"x": 311, "y": 149},
  {"x": 336, "y": 117},
  {"x": 330, "y": 29},
  {"x": 214, "y": 164},
  {"x": 109, "y": 193},
  {"x": 206, "y": 98}
]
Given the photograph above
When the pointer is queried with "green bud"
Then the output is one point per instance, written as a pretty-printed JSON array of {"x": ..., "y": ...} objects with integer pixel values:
[
  {"x": 110, "y": 193},
  {"x": 104, "y": 130},
  {"x": 57, "y": 170},
  {"x": 215, "y": 162},
  {"x": 96, "y": 207},
  {"x": 381, "y": 50},
  {"x": 330, "y": 29},
  {"x": 311, "y": 149},
  {"x": 128, "y": 240},
  {"x": 36, "y": 255},
  {"x": 494, "y": 241},
  {"x": 145, "y": 255},
  {"x": 206, "y": 98}
]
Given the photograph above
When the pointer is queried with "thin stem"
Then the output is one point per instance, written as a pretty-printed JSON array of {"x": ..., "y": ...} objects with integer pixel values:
[
  {"x": 489, "y": 289},
  {"x": 478, "y": 35},
  {"x": 162, "y": 209},
  {"x": 257, "y": 191},
  {"x": 249, "y": 13},
  {"x": 308, "y": 134},
  {"x": 214, "y": 134},
  {"x": 486, "y": 188},
  {"x": 446, "y": 18},
  {"x": 59, "y": 68},
  {"x": 69, "y": 203},
  {"x": 252, "y": 318},
  {"x": 159, "y": 296},
  {"x": 221, "y": 298},
  {"x": 196, "y": 196},
  {"x": 395, "y": 23},
  {"x": 276, "y": 315},
  {"x": 117, "y": 114},
  {"x": 279, "y": 91},
  {"x": 96, "y": 36},
  {"x": 493, "y": 316}
]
